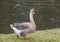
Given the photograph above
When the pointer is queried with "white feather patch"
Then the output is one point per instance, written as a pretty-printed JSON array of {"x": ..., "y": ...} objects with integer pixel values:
[{"x": 16, "y": 30}]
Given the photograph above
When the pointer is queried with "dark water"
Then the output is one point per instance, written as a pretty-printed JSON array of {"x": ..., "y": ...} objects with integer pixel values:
[{"x": 47, "y": 17}]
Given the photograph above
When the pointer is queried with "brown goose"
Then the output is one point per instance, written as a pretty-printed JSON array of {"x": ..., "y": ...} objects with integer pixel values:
[{"x": 25, "y": 27}]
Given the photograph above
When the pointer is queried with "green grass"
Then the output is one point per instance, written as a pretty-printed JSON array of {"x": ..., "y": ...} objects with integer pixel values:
[{"x": 52, "y": 35}]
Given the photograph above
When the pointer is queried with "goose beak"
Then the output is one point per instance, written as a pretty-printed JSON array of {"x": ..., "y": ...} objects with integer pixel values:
[{"x": 35, "y": 10}]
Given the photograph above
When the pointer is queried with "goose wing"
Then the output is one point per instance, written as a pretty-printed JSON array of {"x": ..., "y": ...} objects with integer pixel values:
[{"x": 21, "y": 26}]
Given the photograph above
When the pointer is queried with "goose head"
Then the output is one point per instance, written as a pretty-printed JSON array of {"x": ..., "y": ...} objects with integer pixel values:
[{"x": 33, "y": 11}]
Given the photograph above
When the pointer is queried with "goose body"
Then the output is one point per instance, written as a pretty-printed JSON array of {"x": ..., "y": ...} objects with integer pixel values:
[
  {"x": 25, "y": 27},
  {"x": 22, "y": 27}
]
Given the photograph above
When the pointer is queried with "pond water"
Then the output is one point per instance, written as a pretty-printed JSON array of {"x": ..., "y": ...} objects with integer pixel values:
[{"x": 47, "y": 17}]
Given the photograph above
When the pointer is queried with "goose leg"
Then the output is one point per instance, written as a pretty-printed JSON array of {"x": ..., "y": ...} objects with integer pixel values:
[{"x": 17, "y": 37}]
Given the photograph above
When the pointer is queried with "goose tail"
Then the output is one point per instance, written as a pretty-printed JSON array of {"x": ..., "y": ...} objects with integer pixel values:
[{"x": 12, "y": 26}]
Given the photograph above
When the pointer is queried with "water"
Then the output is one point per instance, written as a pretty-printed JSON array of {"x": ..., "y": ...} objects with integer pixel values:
[{"x": 47, "y": 17}]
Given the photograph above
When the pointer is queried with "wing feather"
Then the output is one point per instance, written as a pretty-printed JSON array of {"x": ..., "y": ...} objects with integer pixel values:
[{"x": 21, "y": 26}]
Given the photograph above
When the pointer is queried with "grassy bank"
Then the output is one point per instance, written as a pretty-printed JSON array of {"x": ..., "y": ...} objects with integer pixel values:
[{"x": 52, "y": 35}]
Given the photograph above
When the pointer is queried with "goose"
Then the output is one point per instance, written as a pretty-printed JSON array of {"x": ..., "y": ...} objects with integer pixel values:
[{"x": 26, "y": 27}]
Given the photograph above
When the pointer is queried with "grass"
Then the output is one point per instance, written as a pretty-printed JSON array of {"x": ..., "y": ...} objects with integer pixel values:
[{"x": 52, "y": 35}]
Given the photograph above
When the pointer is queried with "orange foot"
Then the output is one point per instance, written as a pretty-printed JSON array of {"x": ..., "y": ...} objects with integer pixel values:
[{"x": 17, "y": 37}]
